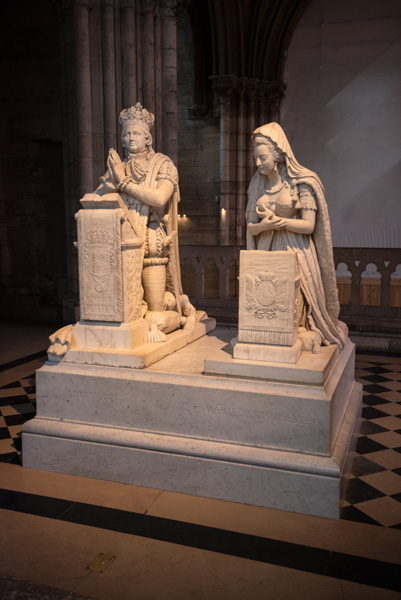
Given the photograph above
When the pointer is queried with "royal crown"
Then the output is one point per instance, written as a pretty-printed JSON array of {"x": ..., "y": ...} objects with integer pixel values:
[{"x": 137, "y": 114}]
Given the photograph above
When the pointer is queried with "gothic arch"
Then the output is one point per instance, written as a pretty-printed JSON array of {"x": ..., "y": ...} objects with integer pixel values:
[
  {"x": 249, "y": 40},
  {"x": 250, "y": 37}
]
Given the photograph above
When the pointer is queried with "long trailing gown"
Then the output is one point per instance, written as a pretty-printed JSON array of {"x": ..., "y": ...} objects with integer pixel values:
[{"x": 315, "y": 315}]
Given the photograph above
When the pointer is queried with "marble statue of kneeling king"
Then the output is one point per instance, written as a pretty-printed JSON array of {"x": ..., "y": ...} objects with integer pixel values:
[{"x": 145, "y": 184}]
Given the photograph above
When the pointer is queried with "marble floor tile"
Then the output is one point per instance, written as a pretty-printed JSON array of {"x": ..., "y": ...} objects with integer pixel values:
[
  {"x": 357, "y": 591},
  {"x": 391, "y": 408},
  {"x": 390, "y": 459},
  {"x": 393, "y": 374},
  {"x": 147, "y": 569},
  {"x": 390, "y": 439},
  {"x": 174, "y": 546},
  {"x": 6, "y": 445},
  {"x": 387, "y": 482},
  {"x": 48, "y": 551},
  {"x": 385, "y": 510},
  {"x": 394, "y": 366},
  {"x": 342, "y": 536},
  {"x": 392, "y": 423},
  {"x": 392, "y": 385},
  {"x": 77, "y": 489},
  {"x": 19, "y": 372},
  {"x": 12, "y": 393},
  {"x": 17, "y": 409},
  {"x": 391, "y": 396}
]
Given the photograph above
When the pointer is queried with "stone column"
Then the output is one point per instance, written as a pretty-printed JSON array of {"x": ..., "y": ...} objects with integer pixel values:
[
  {"x": 168, "y": 14},
  {"x": 77, "y": 126},
  {"x": 225, "y": 86},
  {"x": 275, "y": 94},
  {"x": 158, "y": 127},
  {"x": 148, "y": 53},
  {"x": 250, "y": 93},
  {"x": 260, "y": 99},
  {"x": 109, "y": 75},
  {"x": 129, "y": 52},
  {"x": 241, "y": 164},
  {"x": 81, "y": 29}
]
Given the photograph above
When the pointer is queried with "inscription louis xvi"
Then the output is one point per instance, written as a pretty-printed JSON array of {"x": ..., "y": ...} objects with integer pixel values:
[{"x": 78, "y": 395}]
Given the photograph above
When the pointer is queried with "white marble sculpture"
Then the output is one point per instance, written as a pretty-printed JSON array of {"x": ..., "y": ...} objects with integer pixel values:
[
  {"x": 129, "y": 271},
  {"x": 267, "y": 424},
  {"x": 287, "y": 211},
  {"x": 147, "y": 183}
]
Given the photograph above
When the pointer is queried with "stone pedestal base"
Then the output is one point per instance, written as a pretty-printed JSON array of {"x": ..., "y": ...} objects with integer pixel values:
[
  {"x": 116, "y": 336},
  {"x": 263, "y": 442},
  {"x": 267, "y": 353},
  {"x": 126, "y": 345}
]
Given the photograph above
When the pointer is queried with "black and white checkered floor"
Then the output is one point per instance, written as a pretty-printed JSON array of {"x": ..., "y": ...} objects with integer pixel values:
[{"x": 373, "y": 493}]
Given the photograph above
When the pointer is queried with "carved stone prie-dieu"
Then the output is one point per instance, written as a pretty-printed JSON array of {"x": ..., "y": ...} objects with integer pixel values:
[
  {"x": 99, "y": 243},
  {"x": 268, "y": 305}
]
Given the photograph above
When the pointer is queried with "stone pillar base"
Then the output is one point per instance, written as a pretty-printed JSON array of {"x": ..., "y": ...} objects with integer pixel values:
[{"x": 123, "y": 336}]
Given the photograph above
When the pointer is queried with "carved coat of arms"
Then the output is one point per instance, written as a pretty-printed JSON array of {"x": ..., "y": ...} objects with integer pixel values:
[
  {"x": 99, "y": 256},
  {"x": 99, "y": 243},
  {"x": 265, "y": 294}
]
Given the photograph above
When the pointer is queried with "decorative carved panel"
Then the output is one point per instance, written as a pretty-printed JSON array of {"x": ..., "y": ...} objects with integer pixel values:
[{"x": 100, "y": 276}]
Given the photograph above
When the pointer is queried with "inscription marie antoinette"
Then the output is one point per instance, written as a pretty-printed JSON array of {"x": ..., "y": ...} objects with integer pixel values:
[{"x": 260, "y": 415}]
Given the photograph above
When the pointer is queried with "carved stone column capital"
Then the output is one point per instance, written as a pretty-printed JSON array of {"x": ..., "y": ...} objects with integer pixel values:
[
  {"x": 66, "y": 4},
  {"x": 62, "y": 4},
  {"x": 128, "y": 4},
  {"x": 148, "y": 6},
  {"x": 275, "y": 92},
  {"x": 170, "y": 8},
  {"x": 241, "y": 88},
  {"x": 198, "y": 111},
  {"x": 250, "y": 89},
  {"x": 271, "y": 92},
  {"x": 261, "y": 91},
  {"x": 224, "y": 85}
]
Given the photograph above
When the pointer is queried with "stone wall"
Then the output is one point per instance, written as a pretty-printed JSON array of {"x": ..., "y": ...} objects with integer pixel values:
[
  {"x": 341, "y": 113},
  {"x": 32, "y": 237}
]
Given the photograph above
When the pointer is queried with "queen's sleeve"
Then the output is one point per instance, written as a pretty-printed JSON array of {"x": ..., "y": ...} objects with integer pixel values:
[{"x": 307, "y": 198}]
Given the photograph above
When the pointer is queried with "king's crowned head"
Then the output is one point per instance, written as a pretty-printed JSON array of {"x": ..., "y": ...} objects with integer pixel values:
[{"x": 137, "y": 115}]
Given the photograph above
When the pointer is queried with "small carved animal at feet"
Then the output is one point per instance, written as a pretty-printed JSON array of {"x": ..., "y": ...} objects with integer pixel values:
[
  {"x": 60, "y": 342},
  {"x": 311, "y": 340}
]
